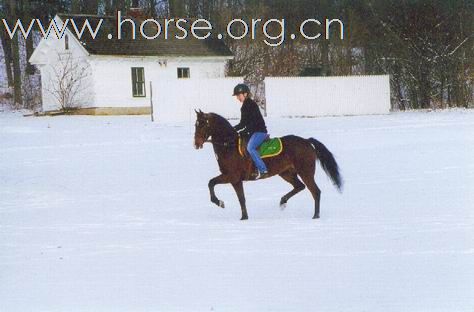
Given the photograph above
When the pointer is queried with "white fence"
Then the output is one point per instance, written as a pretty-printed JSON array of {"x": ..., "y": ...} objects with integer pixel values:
[
  {"x": 175, "y": 100},
  {"x": 327, "y": 96}
]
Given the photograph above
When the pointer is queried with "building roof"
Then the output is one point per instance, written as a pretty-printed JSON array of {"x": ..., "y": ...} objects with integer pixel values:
[{"x": 171, "y": 47}]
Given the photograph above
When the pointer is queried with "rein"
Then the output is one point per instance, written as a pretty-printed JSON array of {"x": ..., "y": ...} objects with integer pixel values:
[{"x": 225, "y": 144}]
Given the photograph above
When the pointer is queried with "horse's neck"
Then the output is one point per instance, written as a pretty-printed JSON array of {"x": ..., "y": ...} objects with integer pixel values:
[
  {"x": 224, "y": 139},
  {"x": 225, "y": 142},
  {"x": 224, "y": 135}
]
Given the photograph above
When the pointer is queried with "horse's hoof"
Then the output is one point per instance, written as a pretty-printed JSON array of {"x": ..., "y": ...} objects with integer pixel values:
[
  {"x": 316, "y": 216},
  {"x": 221, "y": 204},
  {"x": 282, "y": 206},
  {"x": 244, "y": 218}
]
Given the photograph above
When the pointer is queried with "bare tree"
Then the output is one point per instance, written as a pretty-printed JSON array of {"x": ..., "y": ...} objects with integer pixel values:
[
  {"x": 70, "y": 81},
  {"x": 8, "y": 58}
]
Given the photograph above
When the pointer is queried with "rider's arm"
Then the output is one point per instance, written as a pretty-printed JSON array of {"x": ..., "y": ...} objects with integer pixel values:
[
  {"x": 244, "y": 119},
  {"x": 239, "y": 126}
]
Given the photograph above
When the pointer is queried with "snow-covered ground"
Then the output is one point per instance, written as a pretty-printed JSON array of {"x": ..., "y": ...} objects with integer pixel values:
[{"x": 113, "y": 214}]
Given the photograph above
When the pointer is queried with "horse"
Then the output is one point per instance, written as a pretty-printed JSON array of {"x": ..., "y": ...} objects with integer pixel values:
[{"x": 297, "y": 160}]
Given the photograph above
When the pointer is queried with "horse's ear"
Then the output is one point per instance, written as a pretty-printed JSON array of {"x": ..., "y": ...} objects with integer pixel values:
[{"x": 197, "y": 113}]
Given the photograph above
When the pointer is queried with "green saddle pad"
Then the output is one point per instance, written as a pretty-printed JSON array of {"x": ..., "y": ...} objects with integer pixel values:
[{"x": 269, "y": 148}]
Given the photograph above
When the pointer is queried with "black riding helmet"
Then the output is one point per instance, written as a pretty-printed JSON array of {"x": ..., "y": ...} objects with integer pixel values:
[{"x": 241, "y": 88}]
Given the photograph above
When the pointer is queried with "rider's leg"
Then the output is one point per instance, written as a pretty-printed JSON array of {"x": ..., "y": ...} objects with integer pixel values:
[{"x": 255, "y": 141}]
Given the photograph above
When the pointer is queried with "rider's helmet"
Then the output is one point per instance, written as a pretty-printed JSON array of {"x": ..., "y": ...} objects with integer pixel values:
[{"x": 241, "y": 88}]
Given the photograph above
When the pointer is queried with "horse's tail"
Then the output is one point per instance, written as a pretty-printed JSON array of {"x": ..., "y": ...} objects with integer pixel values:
[{"x": 328, "y": 163}]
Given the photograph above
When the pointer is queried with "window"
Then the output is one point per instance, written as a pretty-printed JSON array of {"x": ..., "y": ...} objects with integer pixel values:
[
  {"x": 138, "y": 81},
  {"x": 66, "y": 42},
  {"x": 183, "y": 72}
]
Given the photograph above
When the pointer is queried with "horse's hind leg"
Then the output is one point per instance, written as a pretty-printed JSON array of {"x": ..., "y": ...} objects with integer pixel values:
[
  {"x": 308, "y": 178},
  {"x": 239, "y": 189},
  {"x": 291, "y": 177}
]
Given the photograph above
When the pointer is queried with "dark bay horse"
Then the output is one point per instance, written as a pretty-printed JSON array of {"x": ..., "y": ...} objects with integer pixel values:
[{"x": 297, "y": 159}]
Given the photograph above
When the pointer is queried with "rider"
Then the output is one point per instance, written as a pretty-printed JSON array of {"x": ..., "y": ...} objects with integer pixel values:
[{"x": 253, "y": 126}]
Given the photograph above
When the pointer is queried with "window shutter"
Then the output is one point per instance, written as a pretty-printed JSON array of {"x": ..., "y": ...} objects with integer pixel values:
[{"x": 134, "y": 81}]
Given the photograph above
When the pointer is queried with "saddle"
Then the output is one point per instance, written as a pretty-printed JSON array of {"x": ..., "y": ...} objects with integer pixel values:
[{"x": 271, "y": 147}]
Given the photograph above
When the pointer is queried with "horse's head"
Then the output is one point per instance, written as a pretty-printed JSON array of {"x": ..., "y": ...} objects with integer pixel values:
[
  {"x": 212, "y": 125},
  {"x": 202, "y": 130}
]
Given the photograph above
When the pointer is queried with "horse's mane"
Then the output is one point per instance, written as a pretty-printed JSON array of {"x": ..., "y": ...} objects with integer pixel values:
[{"x": 222, "y": 122}]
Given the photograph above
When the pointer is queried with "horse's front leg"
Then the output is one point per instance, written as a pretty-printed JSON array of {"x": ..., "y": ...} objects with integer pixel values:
[
  {"x": 239, "y": 189},
  {"x": 220, "y": 179}
]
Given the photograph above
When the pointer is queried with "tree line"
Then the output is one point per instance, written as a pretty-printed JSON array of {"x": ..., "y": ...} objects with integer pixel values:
[{"x": 426, "y": 46}]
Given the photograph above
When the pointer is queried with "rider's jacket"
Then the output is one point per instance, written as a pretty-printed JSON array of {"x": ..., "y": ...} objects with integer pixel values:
[{"x": 251, "y": 119}]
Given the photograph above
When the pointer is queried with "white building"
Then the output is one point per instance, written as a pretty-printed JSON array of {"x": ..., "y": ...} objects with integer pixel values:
[{"x": 117, "y": 72}]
